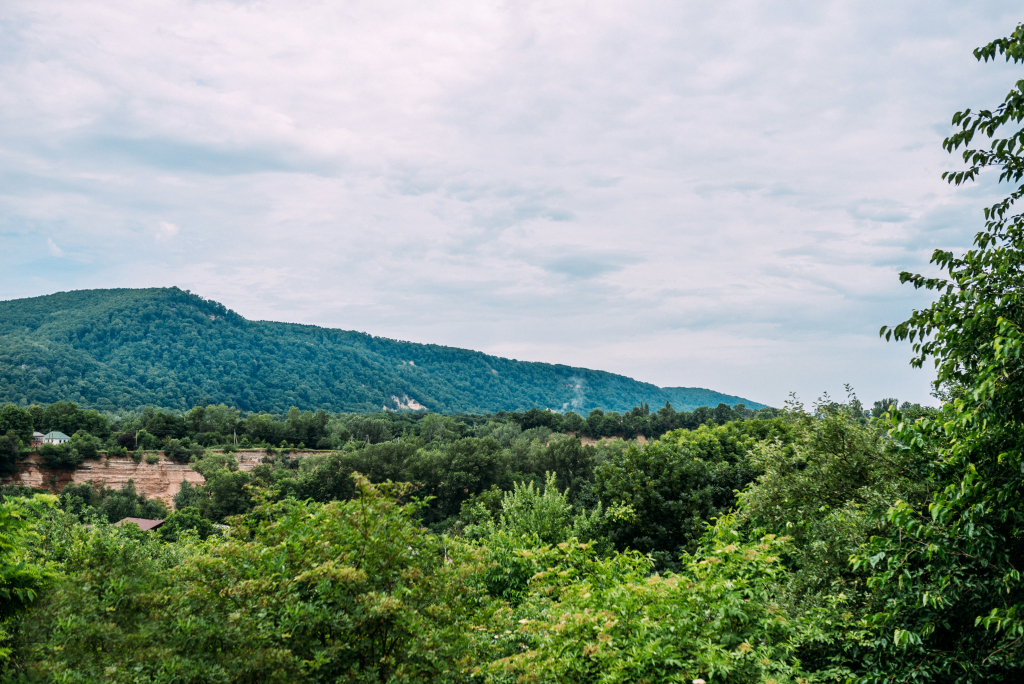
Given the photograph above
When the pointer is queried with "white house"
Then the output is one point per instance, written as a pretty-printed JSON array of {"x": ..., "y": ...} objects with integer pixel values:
[{"x": 55, "y": 438}]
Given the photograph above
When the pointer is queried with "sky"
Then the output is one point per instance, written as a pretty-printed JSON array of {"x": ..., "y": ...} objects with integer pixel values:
[{"x": 693, "y": 194}]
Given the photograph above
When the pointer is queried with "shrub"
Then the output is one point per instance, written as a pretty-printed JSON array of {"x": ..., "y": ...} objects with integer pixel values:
[
  {"x": 185, "y": 519},
  {"x": 117, "y": 451},
  {"x": 9, "y": 453},
  {"x": 60, "y": 456},
  {"x": 360, "y": 593},
  {"x": 540, "y": 512},
  {"x": 147, "y": 441},
  {"x": 152, "y": 458},
  {"x": 611, "y": 621},
  {"x": 127, "y": 441},
  {"x": 22, "y": 578},
  {"x": 126, "y": 502},
  {"x": 88, "y": 446},
  {"x": 188, "y": 496},
  {"x": 182, "y": 450}
]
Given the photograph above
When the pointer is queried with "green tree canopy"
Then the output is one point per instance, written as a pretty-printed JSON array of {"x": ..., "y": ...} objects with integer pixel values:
[{"x": 950, "y": 567}]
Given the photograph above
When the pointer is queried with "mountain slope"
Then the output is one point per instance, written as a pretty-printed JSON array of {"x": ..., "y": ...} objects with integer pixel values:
[{"x": 126, "y": 348}]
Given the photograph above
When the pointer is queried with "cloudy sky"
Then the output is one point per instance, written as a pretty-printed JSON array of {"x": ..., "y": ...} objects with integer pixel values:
[{"x": 690, "y": 193}]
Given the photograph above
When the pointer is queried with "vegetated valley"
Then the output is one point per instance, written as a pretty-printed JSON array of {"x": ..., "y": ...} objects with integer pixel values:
[
  {"x": 492, "y": 540},
  {"x": 418, "y": 546}
]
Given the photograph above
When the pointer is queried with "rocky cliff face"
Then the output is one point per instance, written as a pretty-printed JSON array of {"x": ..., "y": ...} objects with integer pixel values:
[{"x": 160, "y": 480}]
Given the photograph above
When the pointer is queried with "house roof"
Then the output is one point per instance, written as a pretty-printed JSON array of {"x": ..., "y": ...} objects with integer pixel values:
[
  {"x": 38, "y": 434},
  {"x": 141, "y": 522},
  {"x": 56, "y": 435}
]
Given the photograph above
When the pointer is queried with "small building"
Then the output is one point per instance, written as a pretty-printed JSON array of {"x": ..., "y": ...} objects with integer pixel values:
[
  {"x": 141, "y": 522},
  {"x": 55, "y": 437},
  {"x": 37, "y": 439}
]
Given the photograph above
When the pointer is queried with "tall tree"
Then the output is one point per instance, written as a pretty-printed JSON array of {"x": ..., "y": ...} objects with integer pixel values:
[{"x": 950, "y": 567}]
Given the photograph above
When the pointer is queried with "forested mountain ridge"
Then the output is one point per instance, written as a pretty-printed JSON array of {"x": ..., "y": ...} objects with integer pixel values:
[{"x": 124, "y": 348}]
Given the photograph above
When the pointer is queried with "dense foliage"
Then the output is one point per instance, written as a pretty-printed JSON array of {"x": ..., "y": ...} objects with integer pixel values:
[
  {"x": 949, "y": 565},
  {"x": 121, "y": 349},
  {"x": 182, "y": 436},
  {"x": 528, "y": 569}
]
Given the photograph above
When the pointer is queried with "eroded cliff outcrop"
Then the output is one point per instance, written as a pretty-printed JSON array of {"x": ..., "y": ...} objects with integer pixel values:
[{"x": 160, "y": 480}]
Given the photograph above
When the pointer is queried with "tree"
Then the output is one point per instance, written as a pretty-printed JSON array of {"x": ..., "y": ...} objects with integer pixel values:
[
  {"x": 537, "y": 418},
  {"x": 352, "y": 591},
  {"x": 182, "y": 450},
  {"x": 66, "y": 417},
  {"x": 949, "y": 568},
  {"x": 20, "y": 577},
  {"x": 572, "y": 464},
  {"x": 826, "y": 491},
  {"x": 16, "y": 420},
  {"x": 455, "y": 472},
  {"x": 679, "y": 483},
  {"x": 185, "y": 519},
  {"x": 86, "y": 445},
  {"x": 60, "y": 456},
  {"x": 612, "y": 621},
  {"x": 127, "y": 441},
  {"x": 9, "y": 444}
]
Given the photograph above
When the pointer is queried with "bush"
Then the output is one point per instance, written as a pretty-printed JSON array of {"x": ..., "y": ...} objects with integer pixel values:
[
  {"x": 152, "y": 458},
  {"x": 117, "y": 504},
  {"x": 609, "y": 620},
  {"x": 127, "y": 441},
  {"x": 360, "y": 593},
  {"x": 189, "y": 496},
  {"x": 9, "y": 453},
  {"x": 60, "y": 456},
  {"x": 147, "y": 441},
  {"x": 182, "y": 450},
  {"x": 87, "y": 445},
  {"x": 678, "y": 484},
  {"x": 543, "y": 513},
  {"x": 185, "y": 519},
  {"x": 117, "y": 451}
]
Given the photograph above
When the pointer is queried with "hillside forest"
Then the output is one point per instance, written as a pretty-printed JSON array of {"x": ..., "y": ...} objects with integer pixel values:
[
  {"x": 822, "y": 543},
  {"x": 123, "y": 349}
]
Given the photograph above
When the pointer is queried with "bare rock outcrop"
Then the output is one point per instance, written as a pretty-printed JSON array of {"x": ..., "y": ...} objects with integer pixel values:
[{"x": 160, "y": 480}]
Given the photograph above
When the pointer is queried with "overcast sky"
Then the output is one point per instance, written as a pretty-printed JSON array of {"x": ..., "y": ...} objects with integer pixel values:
[{"x": 700, "y": 194}]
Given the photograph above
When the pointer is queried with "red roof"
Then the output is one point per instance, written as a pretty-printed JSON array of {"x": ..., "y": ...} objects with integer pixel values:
[{"x": 141, "y": 522}]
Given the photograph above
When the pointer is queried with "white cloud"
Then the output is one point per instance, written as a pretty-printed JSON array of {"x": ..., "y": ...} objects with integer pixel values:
[
  {"x": 690, "y": 193},
  {"x": 54, "y": 249},
  {"x": 166, "y": 231}
]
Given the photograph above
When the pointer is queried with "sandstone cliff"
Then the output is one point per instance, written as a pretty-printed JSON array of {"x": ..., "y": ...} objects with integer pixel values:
[{"x": 160, "y": 480}]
